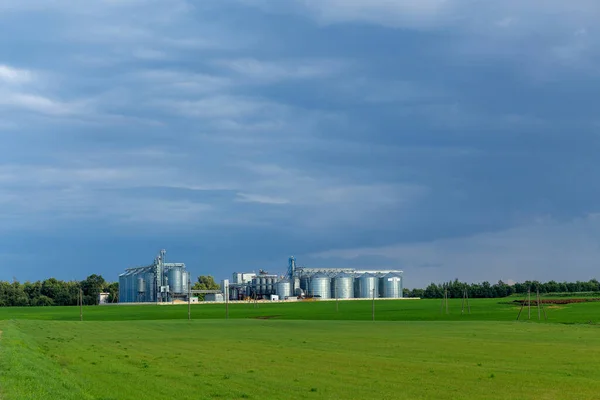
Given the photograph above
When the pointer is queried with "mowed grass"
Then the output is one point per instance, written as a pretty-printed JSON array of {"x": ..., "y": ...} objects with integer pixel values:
[
  {"x": 301, "y": 350},
  {"x": 256, "y": 359},
  {"x": 385, "y": 310}
]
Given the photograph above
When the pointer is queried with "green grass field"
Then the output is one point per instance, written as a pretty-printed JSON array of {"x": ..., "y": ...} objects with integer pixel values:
[{"x": 307, "y": 350}]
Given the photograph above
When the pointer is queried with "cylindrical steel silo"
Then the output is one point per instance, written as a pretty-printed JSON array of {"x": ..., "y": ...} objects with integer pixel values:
[
  {"x": 343, "y": 286},
  {"x": 131, "y": 295},
  {"x": 269, "y": 286},
  {"x": 392, "y": 286},
  {"x": 320, "y": 286},
  {"x": 304, "y": 283},
  {"x": 284, "y": 289},
  {"x": 263, "y": 286},
  {"x": 141, "y": 285},
  {"x": 175, "y": 284},
  {"x": 122, "y": 291},
  {"x": 366, "y": 284},
  {"x": 185, "y": 276},
  {"x": 150, "y": 291}
]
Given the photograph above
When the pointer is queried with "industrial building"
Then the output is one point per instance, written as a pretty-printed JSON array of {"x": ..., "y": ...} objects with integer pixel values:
[
  {"x": 158, "y": 282},
  {"x": 319, "y": 283}
]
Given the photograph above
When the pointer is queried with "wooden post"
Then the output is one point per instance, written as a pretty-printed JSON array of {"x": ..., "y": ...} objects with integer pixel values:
[
  {"x": 189, "y": 300},
  {"x": 521, "y": 309},
  {"x": 337, "y": 301},
  {"x": 538, "y": 304},
  {"x": 529, "y": 302},
  {"x": 373, "y": 307},
  {"x": 467, "y": 297},
  {"x": 227, "y": 302}
]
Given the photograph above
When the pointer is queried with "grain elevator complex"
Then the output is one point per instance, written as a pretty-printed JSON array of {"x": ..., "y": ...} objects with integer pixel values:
[
  {"x": 317, "y": 283},
  {"x": 162, "y": 282},
  {"x": 158, "y": 282}
]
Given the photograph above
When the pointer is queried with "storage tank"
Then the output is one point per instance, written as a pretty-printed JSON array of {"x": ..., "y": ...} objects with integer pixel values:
[
  {"x": 366, "y": 284},
  {"x": 320, "y": 285},
  {"x": 122, "y": 289},
  {"x": 149, "y": 279},
  {"x": 304, "y": 283},
  {"x": 185, "y": 276},
  {"x": 129, "y": 287},
  {"x": 284, "y": 289},
  {"x": 343, "y": 286},
  {"x": 263, "y": 286},
  {"x": 269, "y": 285},
  {"x": 175, "y": 284},
  {"x": 391, "y": 286},
  {"x": 141, "y": 285}
]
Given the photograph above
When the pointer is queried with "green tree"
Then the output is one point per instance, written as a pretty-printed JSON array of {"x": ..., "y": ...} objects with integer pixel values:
[
  {"x": 205, "y": 282},
  {"x": 92, "y": 286}
]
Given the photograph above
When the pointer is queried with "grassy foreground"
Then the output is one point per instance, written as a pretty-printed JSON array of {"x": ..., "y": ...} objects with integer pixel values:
[
  {"x": 386, "y": 310},
  {"x": 255, "y": 359},
  {"x": 301, "y": 350}
]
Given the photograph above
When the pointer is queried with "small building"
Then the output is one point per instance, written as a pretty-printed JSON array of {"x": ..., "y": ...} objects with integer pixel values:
[
  {"x": 274, "y": 297},
  {"x": 103, "y": 298},
  {"x": 214, "y": 297}
]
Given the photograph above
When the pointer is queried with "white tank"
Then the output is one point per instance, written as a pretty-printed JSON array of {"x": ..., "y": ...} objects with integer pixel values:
[
  {"x": 141, "y": 285},
  {"x": 175, "y": 280},
  {"x": 284, "y": 289},
  {"x": 343, "y": 286},
  {"x": 320, "y": 285},
  {"x": 391, "y": 286},
  {"x": 366, "y": 284}
]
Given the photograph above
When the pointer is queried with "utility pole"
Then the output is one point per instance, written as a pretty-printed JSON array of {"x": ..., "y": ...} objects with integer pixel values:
[
  {"x": 337, "y": 301},
  {"x": 373, "y": 308},
  {"x": 226, "y": 301},
  {"x": 189, "y": 299},
  {"x": 529, "y": 302},
  {"x": 446, "y": 296},
  {"x": 80, "y": 304},
  {"x": 538, "y": 304}
]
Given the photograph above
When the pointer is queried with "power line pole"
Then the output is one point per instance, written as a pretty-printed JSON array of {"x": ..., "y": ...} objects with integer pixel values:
[
  {"x": 373, "y": 307},
  {"x": 80, "y": 304},
  {"x": 226, "y": 301},
  {"x": 529, "y": 302},
  {"x": 538, "y": 304},
  {"x": 446, "y": 296},
  {"x": 189, "y": 298},
  {"x": 337, "y": 301}
]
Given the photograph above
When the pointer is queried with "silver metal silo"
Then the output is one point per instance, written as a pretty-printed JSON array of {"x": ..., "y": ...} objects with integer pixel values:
[
  {"x": 343, "y": 286},
  {"x": 304, "y": 283},
  {"x": 263, "y": 286},
  {"x": 185, "y": 276},
  {"x": 284, "y": 288},
  {"x": 392, "y": 286},
  {"x": 320, "y": 285},
  {"x": 366, "y": 284},
  {"x": 149, "y": 278},
  {"x": 175, "y": 281},
  {"x": 141, "y": 285},
  {"x": 269, "y": 285},
  {"x": 122, "y": 291}
]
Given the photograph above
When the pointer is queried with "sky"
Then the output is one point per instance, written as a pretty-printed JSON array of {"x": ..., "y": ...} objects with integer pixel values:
[{"x": 447, "y": 138}]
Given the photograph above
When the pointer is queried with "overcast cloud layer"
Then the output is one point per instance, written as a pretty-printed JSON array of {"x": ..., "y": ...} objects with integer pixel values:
[{"x": 449, "y": 138}]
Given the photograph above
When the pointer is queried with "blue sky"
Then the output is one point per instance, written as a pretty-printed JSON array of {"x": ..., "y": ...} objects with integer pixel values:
[{"x": 449, "y": 138}]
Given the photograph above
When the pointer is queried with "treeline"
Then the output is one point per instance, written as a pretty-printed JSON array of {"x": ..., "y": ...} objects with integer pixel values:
[
  {"x": 53, "y": 292},
  {"x": 500, "y": 289}
]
